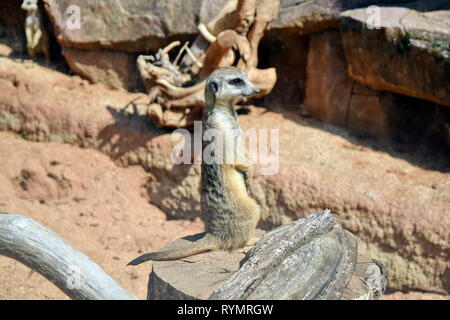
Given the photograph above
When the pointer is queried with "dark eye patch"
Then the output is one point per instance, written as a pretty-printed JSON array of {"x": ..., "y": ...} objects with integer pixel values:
[
  {"x": 236, "y": 82},
  {"x": 213, "y": 86}
]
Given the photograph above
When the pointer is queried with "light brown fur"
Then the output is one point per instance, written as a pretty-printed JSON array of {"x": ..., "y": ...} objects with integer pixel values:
[{"x": 230, "y": 213}]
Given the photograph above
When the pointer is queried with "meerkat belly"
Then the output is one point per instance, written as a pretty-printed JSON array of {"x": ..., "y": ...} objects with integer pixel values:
[
  {"x": 228, "y": 210},
  {"x": 234, "y": 182}
]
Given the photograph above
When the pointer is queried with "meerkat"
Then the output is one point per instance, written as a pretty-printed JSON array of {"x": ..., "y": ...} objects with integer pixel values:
[
  {"x": 230, "y": 213},
  {"x": 37, "y": 38}
]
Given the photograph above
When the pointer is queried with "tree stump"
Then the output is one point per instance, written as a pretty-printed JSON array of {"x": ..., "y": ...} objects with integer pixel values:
[{"x": 311, "y": 258}]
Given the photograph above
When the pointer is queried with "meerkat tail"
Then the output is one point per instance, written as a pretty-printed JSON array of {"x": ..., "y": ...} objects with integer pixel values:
[{"x": 207, "y": 243}]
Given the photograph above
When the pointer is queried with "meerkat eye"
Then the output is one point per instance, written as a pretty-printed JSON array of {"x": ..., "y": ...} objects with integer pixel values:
[{"x": 236, "y": 82}]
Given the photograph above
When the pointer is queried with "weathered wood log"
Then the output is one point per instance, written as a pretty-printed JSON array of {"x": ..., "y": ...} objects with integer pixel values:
[
  {"x": 28, "y": 242},
  {"x": 311, "y": 258}
]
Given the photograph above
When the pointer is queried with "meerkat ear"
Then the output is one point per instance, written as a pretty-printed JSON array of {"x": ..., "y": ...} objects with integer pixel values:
[{"x": 213, "y": 87}]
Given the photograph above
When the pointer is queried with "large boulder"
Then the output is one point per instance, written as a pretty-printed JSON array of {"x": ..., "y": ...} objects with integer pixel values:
[
  {"x": 123, "y": 25},
  {"x": 308, "y": 16},
  {"x": 408, "y": 54},
  {"x": 103, "y": 49}
]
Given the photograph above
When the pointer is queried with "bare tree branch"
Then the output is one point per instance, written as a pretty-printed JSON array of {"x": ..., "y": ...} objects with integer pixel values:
[{"x": 25, "y": 240}]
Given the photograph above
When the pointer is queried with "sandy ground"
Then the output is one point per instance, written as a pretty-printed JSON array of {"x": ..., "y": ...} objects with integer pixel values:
[{"x": 101, "y": 209}]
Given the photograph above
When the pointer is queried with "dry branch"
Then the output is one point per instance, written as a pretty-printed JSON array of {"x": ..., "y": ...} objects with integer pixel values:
[
  {"x": 43, "y": 251},
  {"x": 229, "y": 39}
]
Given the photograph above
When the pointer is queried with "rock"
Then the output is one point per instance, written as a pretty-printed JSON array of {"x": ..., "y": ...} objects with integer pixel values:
[
  {"x": 114, "y": 69},
  {"x": 102, "y": 49},
  {"x": 369, "y": 111},
  {"x": 333, "y": 97},
  {"x": 302, "y": 17},
  {"x": 5, "y": 50},
  {"x": 285, "y": 47},
  {"x": 395, "y": 203},
  {"x": 409, "y": 54},
  {"x": 131, "y": 26},
  {"x": 210, "y": 8},
  {"x": 52, "y": 92},
  {"x": 328, "y": 86},
  {"x": 306, "y": 17}
]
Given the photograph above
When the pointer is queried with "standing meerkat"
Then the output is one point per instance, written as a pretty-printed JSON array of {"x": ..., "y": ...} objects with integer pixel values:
[
  {"x": 230, "y": 213},
  {"x": 37, "y": 38}
]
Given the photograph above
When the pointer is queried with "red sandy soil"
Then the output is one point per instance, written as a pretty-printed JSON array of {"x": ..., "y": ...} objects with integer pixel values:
[{"x": 101, "y": 209}]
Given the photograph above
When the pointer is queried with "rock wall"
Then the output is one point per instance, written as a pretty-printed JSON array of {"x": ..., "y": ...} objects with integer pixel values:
[
  {"x": 409, "y": 54},
  {"x": 104, "y": 50}
]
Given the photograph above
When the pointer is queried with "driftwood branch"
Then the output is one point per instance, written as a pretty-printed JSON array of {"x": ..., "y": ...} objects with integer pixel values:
[
  {"x": 28, "y": 242},
  {"x": 311, "y": 258},
  {"x": 176, "y": 88}
]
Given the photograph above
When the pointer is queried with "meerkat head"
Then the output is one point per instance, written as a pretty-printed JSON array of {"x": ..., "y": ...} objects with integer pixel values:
[
  {"x": 29, "y": 5},
  {"x": 227, "y": 85}
]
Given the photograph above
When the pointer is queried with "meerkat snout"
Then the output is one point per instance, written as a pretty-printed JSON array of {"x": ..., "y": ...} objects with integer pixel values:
[{"x": 241, "y": 86}]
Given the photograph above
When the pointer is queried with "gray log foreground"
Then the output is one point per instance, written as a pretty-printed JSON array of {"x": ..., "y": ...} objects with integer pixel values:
[
  {"x": 28, "y": 242},
  {"x": 311, "y": 258}
]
